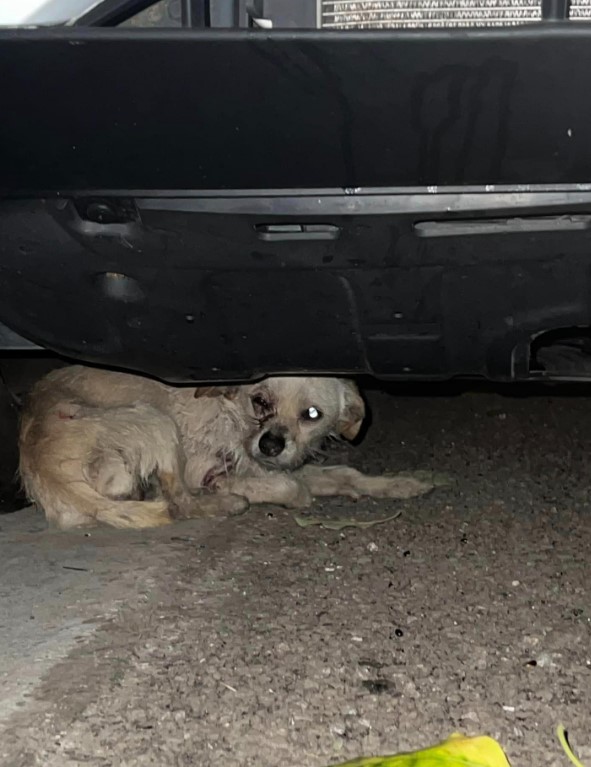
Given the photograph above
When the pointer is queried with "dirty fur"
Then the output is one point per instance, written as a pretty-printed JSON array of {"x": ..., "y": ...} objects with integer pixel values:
[{"x": 102, "y": 447}]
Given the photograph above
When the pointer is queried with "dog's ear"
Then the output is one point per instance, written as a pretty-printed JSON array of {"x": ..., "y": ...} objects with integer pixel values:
[
  {"x": 352, "y": 411},
  {"x": 229, "y": 392}
]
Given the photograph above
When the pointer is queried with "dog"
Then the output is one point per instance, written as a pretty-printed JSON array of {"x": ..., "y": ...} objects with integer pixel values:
[{"x": 105, "y": 447}]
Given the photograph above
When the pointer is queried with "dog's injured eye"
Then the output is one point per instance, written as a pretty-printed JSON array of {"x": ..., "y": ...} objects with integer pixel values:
[
  {"x": 261, "y": 405},
  {"x": 311, "y": 414}
]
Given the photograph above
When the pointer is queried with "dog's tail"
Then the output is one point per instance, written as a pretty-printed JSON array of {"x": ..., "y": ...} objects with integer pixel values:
[
  {"x": 134, "y": 514},
  {"x": 78, "y": 504}
]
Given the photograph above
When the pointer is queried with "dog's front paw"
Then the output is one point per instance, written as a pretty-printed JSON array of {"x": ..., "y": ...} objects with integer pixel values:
[
  {"x": 433, "y": 478},
  {"x": 208, "y": 505},
  {"x": 235, "y": 505},
  {"x": 223, "y": 504},
  {"x": 299, "y": 497},
  {"x": 399, "y": 486},
  {"x": 349, "y": 489},
  {"x": 184, "y": 506}
]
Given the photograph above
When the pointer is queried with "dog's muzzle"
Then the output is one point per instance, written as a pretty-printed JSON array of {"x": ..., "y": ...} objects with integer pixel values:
[{"x": 271, "y": 444}]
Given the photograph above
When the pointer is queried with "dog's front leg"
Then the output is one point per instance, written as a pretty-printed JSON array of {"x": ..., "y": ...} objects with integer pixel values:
[
  {"x": 346, "y": 481},
  {"x": 276, "y": 488},
  {"x": 184, "y": 504}
]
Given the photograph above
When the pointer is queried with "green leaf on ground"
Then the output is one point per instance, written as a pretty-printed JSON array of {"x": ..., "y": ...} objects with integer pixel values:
[
  {"x": 456, "y": 751},
  {"x": 340, "y": 523}
]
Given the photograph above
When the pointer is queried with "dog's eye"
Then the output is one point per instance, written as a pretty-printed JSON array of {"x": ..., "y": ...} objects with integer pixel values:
[
  {"x": 260, "y": 403},
  {"x": 311, "y": 414}
]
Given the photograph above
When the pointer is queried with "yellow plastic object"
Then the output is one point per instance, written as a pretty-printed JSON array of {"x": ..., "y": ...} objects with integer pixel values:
[{"x": 456, "y": 751}]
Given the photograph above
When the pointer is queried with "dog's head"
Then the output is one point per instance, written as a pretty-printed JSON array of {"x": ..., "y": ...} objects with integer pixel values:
[{"x": 291, "y": 417}]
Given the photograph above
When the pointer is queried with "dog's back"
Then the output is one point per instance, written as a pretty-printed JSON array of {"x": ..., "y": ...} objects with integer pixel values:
[{"x": 96, "y": 388}]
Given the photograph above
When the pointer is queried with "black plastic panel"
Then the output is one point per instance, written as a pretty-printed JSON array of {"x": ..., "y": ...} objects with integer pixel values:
[
  {"x": 199, "y": 295},
  {"x": 115, "y": 110}
]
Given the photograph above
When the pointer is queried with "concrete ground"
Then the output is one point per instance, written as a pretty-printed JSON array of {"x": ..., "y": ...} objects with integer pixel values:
[{"x": 254, "y": 642}]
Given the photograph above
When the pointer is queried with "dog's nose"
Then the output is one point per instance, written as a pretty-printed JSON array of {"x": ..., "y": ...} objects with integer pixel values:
[{"x": 271, "y": 444}]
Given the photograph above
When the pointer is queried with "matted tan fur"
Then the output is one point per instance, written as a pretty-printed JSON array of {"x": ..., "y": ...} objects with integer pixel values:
[{"x": 102, "y": 447}]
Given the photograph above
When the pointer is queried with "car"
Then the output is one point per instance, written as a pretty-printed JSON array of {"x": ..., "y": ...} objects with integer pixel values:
[{"x": 250, "y": 188}]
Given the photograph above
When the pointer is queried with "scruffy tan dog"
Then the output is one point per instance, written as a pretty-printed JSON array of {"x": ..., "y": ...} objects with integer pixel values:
[{"x": 104, "y": 447}]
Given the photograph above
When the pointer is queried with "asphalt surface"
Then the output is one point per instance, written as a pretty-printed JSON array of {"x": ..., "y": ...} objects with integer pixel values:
[{"x": 253, "y": 641}]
